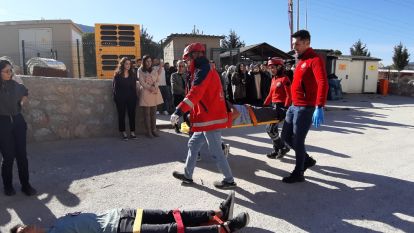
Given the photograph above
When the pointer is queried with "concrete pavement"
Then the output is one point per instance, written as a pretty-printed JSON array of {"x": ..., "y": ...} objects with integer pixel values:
[{"x": 363, "y": 180}]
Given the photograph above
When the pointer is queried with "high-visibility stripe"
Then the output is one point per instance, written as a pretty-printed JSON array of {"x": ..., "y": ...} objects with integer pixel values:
[
  {"x": 187, "y": 101},
  {"x": 208, "y": 123},
  {"x": 138, "y": 221}
]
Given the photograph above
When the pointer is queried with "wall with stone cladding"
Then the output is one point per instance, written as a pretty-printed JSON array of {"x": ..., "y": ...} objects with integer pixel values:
[
  {"x": 66, "y": 108},
  {"x": 403, "y": 89}
]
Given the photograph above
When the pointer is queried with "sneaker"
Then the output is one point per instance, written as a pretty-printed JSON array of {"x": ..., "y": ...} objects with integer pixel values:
[
  {"x": 294, "y": 177},
  {"x": 132, "y": 136},
  {"x": 29, "y": 190},
  {"x": 225, "y": 185},
  {"x": 124, "y": 136},
  {"x": 226, "y": 150},
  {"x": 226, "y": 207},
  {"x": 272, "y": 155},
  {"x": 281, "y": 153},
  {"x": 309, "y": 162},
  {"x": 237, "y": 223},
  {"x": 165, "y": 113},
  {"x": 9, "y": 191},
  {"x": 158, "y": 113},
  {"x": 182, "y": 177}
]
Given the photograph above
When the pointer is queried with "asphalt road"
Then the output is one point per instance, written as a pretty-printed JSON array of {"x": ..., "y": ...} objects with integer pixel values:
[{"x": 363, "y": 180}]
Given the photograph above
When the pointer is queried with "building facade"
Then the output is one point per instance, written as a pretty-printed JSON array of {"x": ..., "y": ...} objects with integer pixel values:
[
  {"x": 173, "y": 46},
  {"x": 57, "y": 39}
]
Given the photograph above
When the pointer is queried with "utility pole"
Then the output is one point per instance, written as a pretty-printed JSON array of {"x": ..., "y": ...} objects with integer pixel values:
[
  {"x": 297, "y": 20},
  {"x": 290, "y": 16}
]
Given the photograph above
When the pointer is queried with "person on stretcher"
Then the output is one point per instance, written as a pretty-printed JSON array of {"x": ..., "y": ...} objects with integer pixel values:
[{"x": 147, "y": 221}]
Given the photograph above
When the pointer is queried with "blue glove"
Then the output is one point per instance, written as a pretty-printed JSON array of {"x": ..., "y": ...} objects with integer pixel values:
[{"x": 317, "y": 118}]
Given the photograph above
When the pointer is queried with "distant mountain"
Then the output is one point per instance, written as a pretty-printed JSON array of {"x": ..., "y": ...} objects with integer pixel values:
[{"x": 86, "y": 28}]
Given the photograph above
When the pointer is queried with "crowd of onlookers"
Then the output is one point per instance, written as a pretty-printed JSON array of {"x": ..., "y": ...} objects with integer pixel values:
[{"x": 162, "y": 86}]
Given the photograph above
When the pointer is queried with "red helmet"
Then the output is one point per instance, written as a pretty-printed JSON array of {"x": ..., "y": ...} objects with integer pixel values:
[
  {"x": 194, "y": 47},
  {"x": 275, "y": 61}
]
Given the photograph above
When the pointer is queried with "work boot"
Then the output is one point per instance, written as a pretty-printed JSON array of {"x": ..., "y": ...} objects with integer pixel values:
[
  {"x": 237, "y": 223},
  {"x": 294, "y": 177},
  {"x": 226, "y": 207}
]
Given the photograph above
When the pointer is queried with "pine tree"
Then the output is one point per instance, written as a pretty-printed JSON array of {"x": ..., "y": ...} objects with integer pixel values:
[
  {"x": 232, "y": 41},
  {"x": 359, "y": 49},
  {"x": 148, "y": 46},
  {"x": 401, "y": 57}
]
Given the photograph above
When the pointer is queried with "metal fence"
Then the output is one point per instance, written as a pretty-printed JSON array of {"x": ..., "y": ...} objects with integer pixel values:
[{"x": 81, "y": 61}]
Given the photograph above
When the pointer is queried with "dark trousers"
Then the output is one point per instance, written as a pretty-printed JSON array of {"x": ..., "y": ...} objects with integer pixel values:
[
  {"x": 273, "y": 131},
  {"x": 158, "y": 221},
  {"x": 295, "y": 128},
  {"x": 13, "y": 146},
  {"x": 126, "y": 105},
  {"x": 167, "y": 97}
]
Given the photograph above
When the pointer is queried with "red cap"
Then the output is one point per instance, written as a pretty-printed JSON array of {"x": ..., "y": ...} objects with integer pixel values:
[{"x": 194, "y": 47}]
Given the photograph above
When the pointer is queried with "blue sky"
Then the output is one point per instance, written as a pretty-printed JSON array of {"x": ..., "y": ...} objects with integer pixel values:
[{"x": 333, "y": 24}]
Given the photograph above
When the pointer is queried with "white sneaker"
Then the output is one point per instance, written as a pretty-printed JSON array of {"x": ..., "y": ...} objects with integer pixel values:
[
  {"x": 165, "y": 113},
  {"x": 226, "y": 150}
]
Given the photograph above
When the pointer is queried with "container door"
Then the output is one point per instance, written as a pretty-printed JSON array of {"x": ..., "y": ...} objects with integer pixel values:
[
  {"x": 342, "y": 71},
  {"x": 371, "y": 77},
  {"x": 38, "y": 43},
  {"x": 356, "y": 74}
]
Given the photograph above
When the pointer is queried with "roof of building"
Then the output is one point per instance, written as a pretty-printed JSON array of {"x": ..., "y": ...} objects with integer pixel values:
[
  {"x": 258, "y": 52},
  {"x": 40, "y": 22},
  {"x": 350, "y": 57},
  {"x": 175, "y": 35}
]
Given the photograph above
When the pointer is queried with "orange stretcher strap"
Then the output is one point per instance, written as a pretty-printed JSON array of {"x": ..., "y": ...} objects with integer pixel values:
[
  {"x": 179, "y": 221},
  {"x": 138, "y": 221},
  {"x": 218, "y": 220},
  {"x": 252, "y": 115}
]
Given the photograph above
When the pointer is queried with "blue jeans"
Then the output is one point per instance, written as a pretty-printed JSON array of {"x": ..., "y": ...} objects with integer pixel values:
[
  {"x": 213, "y": 139},
  {"x": 295, "y": 128}
]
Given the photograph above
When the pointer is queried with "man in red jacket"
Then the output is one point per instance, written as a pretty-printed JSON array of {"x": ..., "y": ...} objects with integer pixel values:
[
  {"x": 208, "y": 115},
  {"x": 309, "y": 90},
  {"x": 279, "y": 98}
]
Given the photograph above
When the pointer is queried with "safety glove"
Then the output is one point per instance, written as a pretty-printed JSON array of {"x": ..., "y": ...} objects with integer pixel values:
[{"x": 317, "y": 118}]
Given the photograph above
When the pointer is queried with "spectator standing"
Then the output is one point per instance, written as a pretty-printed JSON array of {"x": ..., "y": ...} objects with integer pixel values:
[
  {"x": 257, "y": 86},
  {"x": 238, "y": 82},
  {"x": 165, "y": 90},
  {"x": 150, "y": 95},
  {"x": 13, "y": 129},
  {"x": 124, "y": 87},
  {"x": 178, "y": 84}
]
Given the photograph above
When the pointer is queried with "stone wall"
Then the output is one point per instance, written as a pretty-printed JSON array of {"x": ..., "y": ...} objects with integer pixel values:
[
  {"x": 66, "y": 108},
  {"x": 403, "y": 89}
]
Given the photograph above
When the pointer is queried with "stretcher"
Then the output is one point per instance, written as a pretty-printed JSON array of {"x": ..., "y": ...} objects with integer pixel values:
[{"x": 247, "y": 115}]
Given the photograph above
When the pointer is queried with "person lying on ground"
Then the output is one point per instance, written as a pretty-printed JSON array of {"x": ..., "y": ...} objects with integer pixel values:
[{"x": 147, "y": 221}]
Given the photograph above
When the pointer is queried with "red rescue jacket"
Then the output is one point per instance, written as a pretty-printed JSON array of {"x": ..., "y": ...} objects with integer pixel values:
[
  {"x": 205, "y": 100},
  {"x": 310, "y": 83},
  {"x": 279, "y": 91}
]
